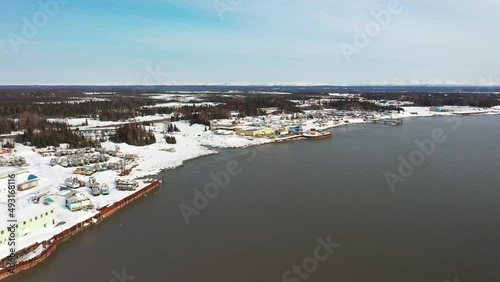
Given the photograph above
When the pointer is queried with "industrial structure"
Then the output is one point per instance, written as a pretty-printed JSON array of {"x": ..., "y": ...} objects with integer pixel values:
[
  {"x": 30, "y": 222},
  {"x": 255, "y": 131}
]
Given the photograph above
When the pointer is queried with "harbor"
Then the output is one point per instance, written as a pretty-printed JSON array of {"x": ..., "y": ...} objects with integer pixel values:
[
  {"x": 78, "y": 185},
  {"x": 240, "y": 227}
]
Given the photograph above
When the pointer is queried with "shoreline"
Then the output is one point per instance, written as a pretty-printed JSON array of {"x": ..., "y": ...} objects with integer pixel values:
[{"x": 50, "y": 245}]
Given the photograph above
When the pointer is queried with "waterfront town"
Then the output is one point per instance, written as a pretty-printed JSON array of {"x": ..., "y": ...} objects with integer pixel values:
[{"x": 60, "y": 186}]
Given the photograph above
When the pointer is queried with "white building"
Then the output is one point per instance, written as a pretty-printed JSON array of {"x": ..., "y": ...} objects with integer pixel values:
[{"x": 29, "y": 222}]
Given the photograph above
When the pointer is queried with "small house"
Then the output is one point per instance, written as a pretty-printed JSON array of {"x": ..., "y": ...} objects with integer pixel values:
[{"x": 76, "y": 201}]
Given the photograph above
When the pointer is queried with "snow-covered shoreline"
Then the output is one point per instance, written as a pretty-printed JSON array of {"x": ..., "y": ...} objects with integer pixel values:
[{"x": 193, "y": 141}]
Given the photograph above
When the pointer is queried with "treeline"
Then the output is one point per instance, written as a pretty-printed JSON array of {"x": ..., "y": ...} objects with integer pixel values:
[
  {"x": 355, "y": 105},
  {"x": 194, "y": 114},
  {"x": 115, "y": 109},
  {"x": 7, "y": 125},
  {"x": 133, "y": 134},
  {"x": 249, "y": 105},
  {"x": 40, "y": 132},
  {"x": 172, "y": 128},
  {"x": 122, "y": 108},
  {"x": 440, "y": 99},
  {"x": 244, "y": 105},
  {"x": 53, "y": 135}
]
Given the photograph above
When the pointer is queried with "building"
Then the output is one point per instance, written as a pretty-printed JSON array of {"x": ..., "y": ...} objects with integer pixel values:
[
  {"x": 6, "y": 145},
  {"x": 98, "y": 133},
  {"x": 284, "y": 130},
  {"x": 6, "y": 151},
  {"x": 225, "y": 124},
  {"x": 76, "y": 201},
  {"x": 30, "y": 222},
  {"x": 255, "y": 132},
  {"x": 437, "y": 109},
  {"x": 268, "y": 111},
  {"x": 50, "y": 151},
  {"x": 63, "y": 146}
]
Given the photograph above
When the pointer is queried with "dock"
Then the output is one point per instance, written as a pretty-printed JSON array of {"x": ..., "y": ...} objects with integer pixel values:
[{"x": 389, "y": 121}]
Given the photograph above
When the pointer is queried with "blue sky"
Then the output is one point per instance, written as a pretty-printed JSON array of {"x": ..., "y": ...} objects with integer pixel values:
[{"x": 249, "y": 42}]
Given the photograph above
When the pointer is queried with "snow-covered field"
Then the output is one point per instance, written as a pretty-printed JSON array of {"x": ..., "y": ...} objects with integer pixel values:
[
  {"x": 92, "y": 123},
  {"x": 182, "y": 104}
]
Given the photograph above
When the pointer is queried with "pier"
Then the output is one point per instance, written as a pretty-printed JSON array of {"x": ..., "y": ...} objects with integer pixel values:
[{"x": 389, "y": 121}]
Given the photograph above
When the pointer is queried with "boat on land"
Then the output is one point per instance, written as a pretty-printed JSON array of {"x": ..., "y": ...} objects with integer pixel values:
[
  {"x": 316, "y": 134},
  {"x": 105, "y": 189},
  {"x": 73, "y": 182},
  {"x": 96, "y": 190},
  {"x": 94, "y": 185},
  {"x": 126, "y": 185},
  {"x": 28, "y": 184}
]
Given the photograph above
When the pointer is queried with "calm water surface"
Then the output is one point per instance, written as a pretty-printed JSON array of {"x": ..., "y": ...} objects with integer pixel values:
[{"x": 442, "y": 222}]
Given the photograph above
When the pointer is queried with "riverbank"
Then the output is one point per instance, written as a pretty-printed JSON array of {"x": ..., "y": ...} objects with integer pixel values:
[
  {"x": 151, "y": 160},
  {"x": 38, "y": 252},
  {"x": 269, "y": 216}
]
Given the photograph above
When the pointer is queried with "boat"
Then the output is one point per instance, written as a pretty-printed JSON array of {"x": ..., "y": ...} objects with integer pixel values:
[
  {"x": 149, "y": 180},
  {"x": 105, "y": 189},
  {"x": 95, "y": 186},
  {"x": 96, "y": 190},
  {"x": 64, "y": 162},
  {"x": 63, "y": 187},
  {"x": 389, "y": 121},
  {"x": 73, "y": 182},
  {"x": 126, "y": 185},
  {"x": 28, "y": 184},
  {"x": 316, "y": 134},
  {"x": 92, "y": 181}
]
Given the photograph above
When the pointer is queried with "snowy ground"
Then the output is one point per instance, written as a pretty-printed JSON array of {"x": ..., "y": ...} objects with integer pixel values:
[
  {"x": 192, "y": 142},
  {"x": 78, "y": 122},
  {"x": 179, "y": 105}
]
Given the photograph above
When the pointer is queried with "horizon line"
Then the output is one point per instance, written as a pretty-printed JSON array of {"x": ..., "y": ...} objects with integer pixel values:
[{"x": 253, "y": 85}]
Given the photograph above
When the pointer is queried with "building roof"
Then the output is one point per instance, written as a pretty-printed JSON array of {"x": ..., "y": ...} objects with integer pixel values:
[
  {"x": 24, "y": 211},
  {"x": 75, "y": 197}
]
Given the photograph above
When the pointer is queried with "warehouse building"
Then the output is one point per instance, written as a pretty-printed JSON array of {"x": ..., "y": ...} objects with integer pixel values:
[
  {"x": 30, "y": 222},
  {"x": 255, "y": 132}
]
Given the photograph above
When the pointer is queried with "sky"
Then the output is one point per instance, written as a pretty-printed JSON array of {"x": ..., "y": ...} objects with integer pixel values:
[{"x": 243, "y": 42}]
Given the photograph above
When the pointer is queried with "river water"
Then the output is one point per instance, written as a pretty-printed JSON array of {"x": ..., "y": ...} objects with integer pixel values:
[{"x": 442, "y": 222}]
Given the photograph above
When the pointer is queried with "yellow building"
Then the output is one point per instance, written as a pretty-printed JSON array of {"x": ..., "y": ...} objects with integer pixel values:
[{"x": 255, "y": 132}]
